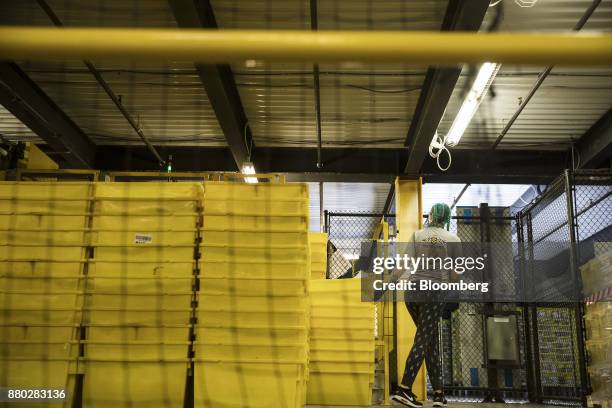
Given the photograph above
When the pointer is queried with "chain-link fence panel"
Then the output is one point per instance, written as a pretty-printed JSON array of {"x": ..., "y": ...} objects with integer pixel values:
[
  {"x": 592, "y": 193},
  {"x": 573, "y": 214},
  {"x": 347, "y": 231},
  {"x": 470, "y": 371},
  {"x": 553, "y": 331}
]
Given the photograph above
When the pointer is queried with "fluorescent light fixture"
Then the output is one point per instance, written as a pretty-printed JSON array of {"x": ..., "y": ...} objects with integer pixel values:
[
  {"x": 526, "y": 3},
  {"x": 248, "y": 168},
  {"x": 485, "y": 76}
]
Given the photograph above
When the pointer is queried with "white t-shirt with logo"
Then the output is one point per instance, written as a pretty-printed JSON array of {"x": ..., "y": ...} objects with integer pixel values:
[
  {"x": 435, "y": 239},
  {"x": 435, "y": 235}
]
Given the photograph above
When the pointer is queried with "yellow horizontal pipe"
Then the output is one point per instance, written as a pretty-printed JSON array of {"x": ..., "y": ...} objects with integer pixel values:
[{"x": 216, "y": 46}]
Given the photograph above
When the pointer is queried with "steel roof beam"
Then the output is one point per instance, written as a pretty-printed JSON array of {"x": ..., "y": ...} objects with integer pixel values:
[
  {"x": 349, "y": 164},
  {"x": 461, "y": 15},
  {"x": 30, "y": 104},
  {"x": 218, "y": 81}
]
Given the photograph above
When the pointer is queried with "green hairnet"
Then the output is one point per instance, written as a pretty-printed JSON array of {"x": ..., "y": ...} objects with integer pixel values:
[{"x": 439, "y": 215}]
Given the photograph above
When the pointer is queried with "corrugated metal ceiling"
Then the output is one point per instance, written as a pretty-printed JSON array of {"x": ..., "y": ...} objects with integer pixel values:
[
  {"x": 332, "y": 15},
  {"x": 361, "y": 105},
  {"x": 168, "y": 101},
  {"x": 551, "y": 15},
  {"x": 87, "y": 13},
  {"x": 562, "y": 110},
  {"x": 567, "y": 104}
]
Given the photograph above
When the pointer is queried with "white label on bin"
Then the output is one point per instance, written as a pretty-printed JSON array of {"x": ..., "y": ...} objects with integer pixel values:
[
  {"x": 501, "y": 319},
  {"x": 143, "y": 238}
]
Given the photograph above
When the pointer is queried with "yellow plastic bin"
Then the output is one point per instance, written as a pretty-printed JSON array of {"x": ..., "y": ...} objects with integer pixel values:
[
  {"x": 233, "y": 191},
  {"x": 269, "y": 223},
  {"x": 214, "y": 303},
  {"x": 253, "y": 385},
  {"x": 264, "y": 336},
  {"x": 272, "y": 318},
  {"x": 137, "y": 384},
  {"x": 136, "y": 350},
  {"x": 241, "y": 350},
  {"x": 273, "y": 269},
  {"x": 253, "y": 287},
  {"x": 256, "y": 238},
  {"x": 255, "y": 206},
  {"x": 353, "y": 389}
]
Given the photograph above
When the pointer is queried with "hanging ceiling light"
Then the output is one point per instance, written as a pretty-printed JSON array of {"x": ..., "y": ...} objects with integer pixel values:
[
  {"x": 249, "y": 168},
  {"x": 483, "y": 81}
]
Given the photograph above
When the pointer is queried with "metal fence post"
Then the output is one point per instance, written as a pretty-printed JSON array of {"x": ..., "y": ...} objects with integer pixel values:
[
  {"x": 578, "y": 308},
  {"x": 529, "y": 374},
  {"x": 326, "y": 225},
  {"x": 533, "y": 317}
]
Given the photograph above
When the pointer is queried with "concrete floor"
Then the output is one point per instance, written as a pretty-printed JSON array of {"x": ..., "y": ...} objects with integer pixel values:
[{"x": 428, "y": 404}]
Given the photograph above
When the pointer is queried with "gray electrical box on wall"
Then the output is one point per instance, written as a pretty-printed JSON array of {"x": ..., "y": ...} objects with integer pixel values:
[{"x": 502, "y": 342}]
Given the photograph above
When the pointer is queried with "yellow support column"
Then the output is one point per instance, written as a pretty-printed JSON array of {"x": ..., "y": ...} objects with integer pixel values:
[
  {"x": 409, "y": 218},
  {"x": 36, "y": 159}
]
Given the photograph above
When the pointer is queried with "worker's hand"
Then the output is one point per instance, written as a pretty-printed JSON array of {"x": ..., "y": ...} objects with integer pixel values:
[{"x": 395, "y": 275}]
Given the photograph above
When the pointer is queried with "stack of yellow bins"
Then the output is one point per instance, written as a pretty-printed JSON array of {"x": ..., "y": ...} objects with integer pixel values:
[
  {"x": 341, "y": 344},
  {"x": 140, "y": 291},
  {"x": 318, "y": 269},
  {"x": 42, "y": 252},
  {"x": 596, "y": 279},
  {"x": 318, "y": 255},
  {"x": 251, "y": 341}
]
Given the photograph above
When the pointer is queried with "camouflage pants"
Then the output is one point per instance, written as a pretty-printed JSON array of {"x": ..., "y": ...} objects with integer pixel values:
[{"x": 426, "y": 317}]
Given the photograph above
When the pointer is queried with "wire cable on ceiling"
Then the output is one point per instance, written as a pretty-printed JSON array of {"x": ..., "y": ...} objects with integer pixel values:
[{"x": 436, "y": 148}]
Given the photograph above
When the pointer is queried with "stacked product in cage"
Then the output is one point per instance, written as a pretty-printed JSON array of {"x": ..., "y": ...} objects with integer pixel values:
[
  {"x": 42, "y": 247},
  {"x": 139, "y": 294},
  {"x": 597, "y": 285},
  {"x": 556, "y": 328},
  {"x": 251, "y": 343},
  {"x": 342, "y": 345},
  {"x": 318, "y": 255}
]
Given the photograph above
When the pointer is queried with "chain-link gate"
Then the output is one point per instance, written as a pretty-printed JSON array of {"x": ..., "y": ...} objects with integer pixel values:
[
  {"x": 347, "y": 231},
  {"x": 574, "y": 210},
  {"x": 553, "y": 329},
  {"x": 470, "y": 370}
]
